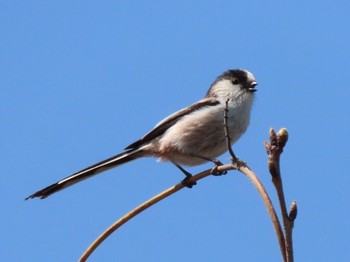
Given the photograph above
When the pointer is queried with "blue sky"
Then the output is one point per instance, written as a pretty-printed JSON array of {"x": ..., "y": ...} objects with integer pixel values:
[{"x": 81, "y": 80}]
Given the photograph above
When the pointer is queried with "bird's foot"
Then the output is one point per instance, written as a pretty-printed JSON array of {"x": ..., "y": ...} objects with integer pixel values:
[
  {"x": 187, "y": 183},
  {"x": 237, "y": 164},
  {"x": 214, "y": 171}
]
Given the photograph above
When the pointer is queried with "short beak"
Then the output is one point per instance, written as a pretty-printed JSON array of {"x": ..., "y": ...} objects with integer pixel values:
[{"x": 252, "y": 86}]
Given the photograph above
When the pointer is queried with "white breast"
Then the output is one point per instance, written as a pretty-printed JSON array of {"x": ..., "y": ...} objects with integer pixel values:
[{"x": 201, "y": 133}]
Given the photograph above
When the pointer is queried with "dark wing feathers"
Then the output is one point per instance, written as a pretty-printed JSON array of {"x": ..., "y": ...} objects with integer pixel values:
[{"x": 161, "y": 127}]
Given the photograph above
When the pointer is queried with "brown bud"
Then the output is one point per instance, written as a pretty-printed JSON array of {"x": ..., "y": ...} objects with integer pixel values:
[
  {"x": 273, "y": 137},
  {"x": 293, "y": 211}
]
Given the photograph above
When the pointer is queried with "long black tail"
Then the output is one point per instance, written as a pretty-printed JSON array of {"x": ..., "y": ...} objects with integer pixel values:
[{"x": 88, "y": 172}]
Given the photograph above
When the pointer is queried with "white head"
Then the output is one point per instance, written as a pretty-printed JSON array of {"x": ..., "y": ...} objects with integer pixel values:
[{"x": 233, "y": 84}]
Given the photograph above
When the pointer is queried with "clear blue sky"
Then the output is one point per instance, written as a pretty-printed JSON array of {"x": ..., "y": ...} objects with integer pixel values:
[{"x": 80, "y": 80}]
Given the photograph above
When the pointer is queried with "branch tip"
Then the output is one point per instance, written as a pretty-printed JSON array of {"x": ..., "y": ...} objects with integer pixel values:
[
  {"x": 282, "y": 138},
  {"x": 293, "y": 211},
  {"x": 273, "y": 137}
]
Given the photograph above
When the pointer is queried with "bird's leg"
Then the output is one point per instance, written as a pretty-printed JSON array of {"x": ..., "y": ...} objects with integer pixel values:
[
  {"x": 214, "y": 171},
  {"x": 234, "y": 160},
  {"x": 237, "y": 163},
  {"x": 188, "y": 175}
]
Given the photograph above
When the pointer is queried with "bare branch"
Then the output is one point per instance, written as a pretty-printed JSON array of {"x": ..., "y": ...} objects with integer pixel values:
[
  {"x": 274, "y": 150},
  {"x": 242, "y": 167},
  {"x": 245, "y": 170},
  {"x": 139, "y": 209},
  {"x": 269, "y": 206}
]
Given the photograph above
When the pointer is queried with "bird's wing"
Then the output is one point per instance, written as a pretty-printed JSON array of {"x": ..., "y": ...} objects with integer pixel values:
[{"x": 168, "y": 122}]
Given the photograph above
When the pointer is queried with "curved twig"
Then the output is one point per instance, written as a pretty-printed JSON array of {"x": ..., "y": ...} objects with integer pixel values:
[
  {"x": 269, "y": 206},
  {"x": 245, "y": 170},
  {"x": 139, "y": 209},
  {"x": 274, "y": 149}
]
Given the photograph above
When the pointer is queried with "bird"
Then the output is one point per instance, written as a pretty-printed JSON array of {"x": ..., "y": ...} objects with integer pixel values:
[{"x": 189, "y": 137}]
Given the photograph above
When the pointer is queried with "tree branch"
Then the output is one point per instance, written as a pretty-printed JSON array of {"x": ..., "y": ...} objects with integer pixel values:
[
  {"x": 245, "y": 170},
  {"x": 269, "y": 206},
  {"x": 140, "y": 209},
  {"x": 274, "y": 150}
]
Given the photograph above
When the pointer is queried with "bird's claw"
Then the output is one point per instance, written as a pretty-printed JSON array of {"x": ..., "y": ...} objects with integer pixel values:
[
  {"x": 187, "y": 183},
  {"x": 214, "y": 171},
  {"x": 237, "y": 164}
]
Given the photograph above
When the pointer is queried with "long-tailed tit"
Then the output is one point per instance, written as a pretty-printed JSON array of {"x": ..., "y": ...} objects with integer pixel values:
[{"x": 189, "y": 137}]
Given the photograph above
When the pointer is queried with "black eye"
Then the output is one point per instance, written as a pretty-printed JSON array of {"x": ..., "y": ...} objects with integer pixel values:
[{"x": 234, "y": 81}]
